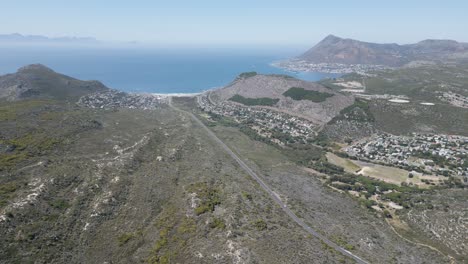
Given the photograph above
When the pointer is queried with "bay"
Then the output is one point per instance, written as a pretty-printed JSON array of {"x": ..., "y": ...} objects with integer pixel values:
[{"x": 153, "y": 70}]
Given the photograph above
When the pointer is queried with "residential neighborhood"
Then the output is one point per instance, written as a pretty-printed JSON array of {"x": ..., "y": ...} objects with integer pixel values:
[
  {"x": 297, "y": 65},
  {"x": 113, "y": 99},
  {"x": 266, "y": 122},
  {"x": 436, "y": 154}
]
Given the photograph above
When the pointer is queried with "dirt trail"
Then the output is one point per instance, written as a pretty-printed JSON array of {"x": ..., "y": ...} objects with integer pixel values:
[{"x": 271, "y": 193}]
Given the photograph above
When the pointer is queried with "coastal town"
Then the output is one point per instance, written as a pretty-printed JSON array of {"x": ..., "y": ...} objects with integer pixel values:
[
  {"x": 115, "y": 99},
  {"x": 445, "y": 155},
  {"x": 276, "y": 126},
  {"x": 298, "y": 65}
]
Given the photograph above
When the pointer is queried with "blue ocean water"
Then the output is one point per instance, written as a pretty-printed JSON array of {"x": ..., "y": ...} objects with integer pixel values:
[{"x": 151, "y": 70}]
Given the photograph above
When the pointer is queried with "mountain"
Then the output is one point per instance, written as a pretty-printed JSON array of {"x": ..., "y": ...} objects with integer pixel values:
[
  {"x": 38, "y": 81},
  {"x": 334, "y": 49},
  {"x": 324, "y": 105},
  {"x": 38, "y": 39}
]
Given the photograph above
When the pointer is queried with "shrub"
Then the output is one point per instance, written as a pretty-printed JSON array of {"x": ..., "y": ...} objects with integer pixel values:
[
  {"x": 368, "y": 203},
  {"x": 209, "y": 197},
  {"x": 260, "y": 225},
  {"x": 387, "y": 214},
  {"x": 247, "y": 196},
  {"x": 60, "y": 204},
  {"x": 217, "y": 223},
  {"x": 349, "y": 247},
  {"x": 124, "y": 238}
]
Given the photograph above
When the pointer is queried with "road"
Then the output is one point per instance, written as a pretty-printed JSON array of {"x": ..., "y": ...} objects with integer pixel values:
[{"x": 273, "y": 196}]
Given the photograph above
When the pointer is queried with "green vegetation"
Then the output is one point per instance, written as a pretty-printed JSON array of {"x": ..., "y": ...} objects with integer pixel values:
[
  {"x": 10, "y": 160},
  {"x": 247, "y": 196},
  {"x": 366, "y": 203},
  {"x": 37, "y": 142},
  {"x": 9, "y": 111},
  {"x": 387, "y": 214},
  {"x": 254, "y": 101},
  {"x": 217, "y": 223},
  {"x": 246, "y": 75},
  {"x": 284, "y": 76},
  {"x": 400, "y": 194},
  {"x": 297, "y": 93},
  {"x": 208, "y": 195},
  {"x": 187, "y": 226},
  {"x": 23, "y": 147},
  {"x": 173, "y": 234},
  {"x": 342, "y": 242},
  {"x": 7, "y": 191},
  {"x": 326, "y": 167},
  {"x": 124, "y": 238},
  {"x": 321, "y": 140},
  {"x": 440, "y": 160},
  {"x": 260, "y": 224},
  {"x": 359, "y": 111},
  {"x": 60, "y": 204}
]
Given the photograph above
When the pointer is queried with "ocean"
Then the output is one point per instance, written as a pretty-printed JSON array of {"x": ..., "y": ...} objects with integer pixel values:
[{"x": 152, "y": 70}]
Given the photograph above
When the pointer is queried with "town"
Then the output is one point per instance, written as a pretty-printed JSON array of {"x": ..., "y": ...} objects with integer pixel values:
[
  {"x": 297, "y": 65},
  {"x": 275, "y": 126},
  {"x": 435, "y": 154},
  {"x": 115, "y": 99}
]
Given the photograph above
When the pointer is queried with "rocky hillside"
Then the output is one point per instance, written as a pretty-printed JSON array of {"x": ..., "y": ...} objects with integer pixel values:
[
  {"x": 334, "y": 49},
  {"x": 38, "y": 81},
  {"x": 321, "y": 105}
]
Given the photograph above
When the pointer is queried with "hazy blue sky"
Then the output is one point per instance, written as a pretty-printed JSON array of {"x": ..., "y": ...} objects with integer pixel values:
[{"x": 238, "y": 22}]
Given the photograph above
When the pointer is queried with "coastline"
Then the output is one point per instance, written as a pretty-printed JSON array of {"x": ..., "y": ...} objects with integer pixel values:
[{"x": 176, "y": 94}]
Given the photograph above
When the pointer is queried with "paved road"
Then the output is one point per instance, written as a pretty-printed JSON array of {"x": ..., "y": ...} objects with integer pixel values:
[{"x": 272, "y": 194}]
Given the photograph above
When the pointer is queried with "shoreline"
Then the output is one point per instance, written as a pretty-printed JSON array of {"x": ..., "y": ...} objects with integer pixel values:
[{"x": 175, "y": 94}]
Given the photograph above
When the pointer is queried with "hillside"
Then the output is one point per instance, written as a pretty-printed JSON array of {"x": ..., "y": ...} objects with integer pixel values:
[
  {"x": 334, "y": 49},
  {"x": 36, "y": 81},
  {"x": 435, "y": 96},
  {"x": 283, "y": 93}
]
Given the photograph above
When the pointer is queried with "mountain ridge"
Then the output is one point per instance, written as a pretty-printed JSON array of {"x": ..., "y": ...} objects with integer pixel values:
[
  {"x": 333, "y": 49},
  {"x": 38, "y": 81}
]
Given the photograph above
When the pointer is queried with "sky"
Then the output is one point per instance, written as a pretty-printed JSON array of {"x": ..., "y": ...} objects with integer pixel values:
[{"x": 238, "y": 22}]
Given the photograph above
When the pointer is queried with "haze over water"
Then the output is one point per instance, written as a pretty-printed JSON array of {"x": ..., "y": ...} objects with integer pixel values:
[{"x": 152, "y": 70}]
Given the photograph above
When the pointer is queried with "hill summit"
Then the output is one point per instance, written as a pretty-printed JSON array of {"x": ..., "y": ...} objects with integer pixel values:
[{"x": 38, "y": 81}]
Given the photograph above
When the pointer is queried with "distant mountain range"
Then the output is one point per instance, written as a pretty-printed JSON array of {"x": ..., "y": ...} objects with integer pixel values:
[
  {"x": 334, "y": 49},
  {"x": 19, "y": 38}
]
